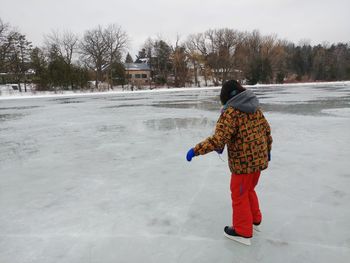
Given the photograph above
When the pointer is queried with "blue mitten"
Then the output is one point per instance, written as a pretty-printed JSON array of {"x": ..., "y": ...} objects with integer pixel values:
[
  {"x": 190, "y": 154},
  {"x": 220, "y": 151}
]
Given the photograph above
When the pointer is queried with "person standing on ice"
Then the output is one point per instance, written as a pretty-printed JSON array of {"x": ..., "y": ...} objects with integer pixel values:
[{"x": 247, "y": 134}]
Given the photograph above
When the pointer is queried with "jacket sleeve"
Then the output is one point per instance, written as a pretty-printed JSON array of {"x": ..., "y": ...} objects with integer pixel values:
[
  {"x": 267, "y": 129},
  {"x": 225, "y": 128}
]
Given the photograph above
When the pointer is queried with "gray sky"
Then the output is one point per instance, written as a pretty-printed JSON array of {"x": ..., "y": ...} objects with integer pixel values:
[{"x": 295, "y": 20}]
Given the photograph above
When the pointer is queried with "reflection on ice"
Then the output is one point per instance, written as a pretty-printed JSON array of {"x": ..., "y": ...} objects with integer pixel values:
[
  {"x": 70, "y": 101},
  {"x": 111, "y": 128},
  {"x": 179, "y": 123},
  {"x": 212, "y": 105},
  {"x": 7, "y": 117},
  {"x": 17, "y": 150},
  {"x": 315, "y": 107},
  {"x": 125, "y": 106},
  {"x": 19, "y": 108}
]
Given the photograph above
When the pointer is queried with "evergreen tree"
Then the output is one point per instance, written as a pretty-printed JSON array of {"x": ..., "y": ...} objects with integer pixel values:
[
  {"x": 39, "y": 65},
  {"x": 58, "y": 74},
  {"x": 161, "y": 63},
  {"x": 19, "y": 58},
  {"x": 266, "y": 71},
  {"x": 80, "y": 76},
  {"x": 128, "y": 59},
  {"x": 118, "y": 74},
  {"x": 253, "y": 75}
]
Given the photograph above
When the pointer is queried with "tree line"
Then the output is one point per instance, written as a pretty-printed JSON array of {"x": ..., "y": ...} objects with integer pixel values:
[{"x": 66, "y": 61}]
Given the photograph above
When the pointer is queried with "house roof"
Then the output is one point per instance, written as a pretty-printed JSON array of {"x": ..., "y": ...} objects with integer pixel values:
[{"x": 137, "y": 66}]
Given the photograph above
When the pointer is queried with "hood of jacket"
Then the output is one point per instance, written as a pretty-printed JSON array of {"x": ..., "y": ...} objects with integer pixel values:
[{"x": 245, "y": 101}]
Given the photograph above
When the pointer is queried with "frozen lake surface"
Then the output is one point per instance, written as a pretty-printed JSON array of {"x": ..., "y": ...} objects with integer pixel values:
[{"x": 103, "y": 178}]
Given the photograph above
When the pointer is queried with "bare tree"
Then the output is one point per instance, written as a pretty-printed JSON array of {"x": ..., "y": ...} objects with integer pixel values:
[
  {"x": 116, "y": 41},
  {"x": 94, "y": 51},
  {"x": 249, "y": 56},
  {"x": 193, "y": 54},
  {"x": 3, "y": 29},
  {"x": 5, "y": 44},
  {"x": 101, "y": 48},
  {"x": 197, "y": 48},
  {"x": 262, "y": 58},
  {"x": 179, "y": 60},
  {"x": 66, "y": 44},
  {"x": 220, "y": 46},
  {"x": 214, "y": 53}
]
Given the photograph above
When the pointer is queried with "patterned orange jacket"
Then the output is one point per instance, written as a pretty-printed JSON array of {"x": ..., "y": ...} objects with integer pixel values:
[{"x": 248, "y": 139}]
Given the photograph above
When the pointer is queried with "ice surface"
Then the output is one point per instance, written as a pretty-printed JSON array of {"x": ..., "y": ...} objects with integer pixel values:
[{"x": 103, "y": 178}]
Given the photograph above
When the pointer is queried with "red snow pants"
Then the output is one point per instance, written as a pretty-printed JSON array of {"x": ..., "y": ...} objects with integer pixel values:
[{"x": 245, "y": 203}]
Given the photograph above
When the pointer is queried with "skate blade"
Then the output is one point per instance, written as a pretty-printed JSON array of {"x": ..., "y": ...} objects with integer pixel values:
[
  {"x": 242, "y": 240},
  {"x": 257, "y": 228}
]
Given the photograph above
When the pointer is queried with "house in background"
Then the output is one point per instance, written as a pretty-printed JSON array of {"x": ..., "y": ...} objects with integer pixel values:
[{"x": 138, "y": 74}]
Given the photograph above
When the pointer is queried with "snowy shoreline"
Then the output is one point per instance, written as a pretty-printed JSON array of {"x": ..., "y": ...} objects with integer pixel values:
[{"x": 38, "y": 95}]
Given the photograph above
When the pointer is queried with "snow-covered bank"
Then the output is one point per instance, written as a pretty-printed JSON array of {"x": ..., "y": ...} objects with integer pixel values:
[
  {"x": 319, "y": 83},
  {"x": 97, "y": 93},
  {"x": 46, "y": 94}
]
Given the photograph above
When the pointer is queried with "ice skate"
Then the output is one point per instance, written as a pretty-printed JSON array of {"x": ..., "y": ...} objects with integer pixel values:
[
  {"x": 257, "y": 227},
  {"x": 230, "y": 233}
]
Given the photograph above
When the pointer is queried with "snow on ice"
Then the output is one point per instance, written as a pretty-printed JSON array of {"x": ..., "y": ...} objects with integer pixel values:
[{"x": 103, "y": 178}]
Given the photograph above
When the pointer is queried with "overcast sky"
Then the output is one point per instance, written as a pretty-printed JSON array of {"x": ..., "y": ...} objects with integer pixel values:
[{"x": 294, "y": 20}]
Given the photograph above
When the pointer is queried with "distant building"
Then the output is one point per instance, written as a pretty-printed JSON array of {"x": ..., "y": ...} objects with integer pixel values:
[{"x": 138, "y": 74}]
